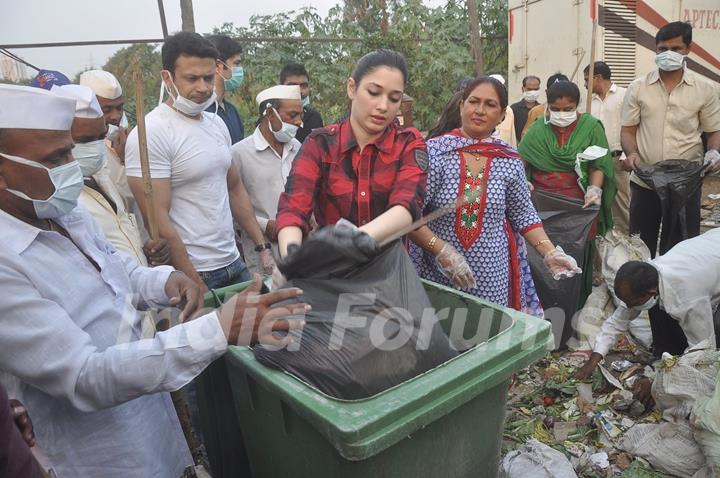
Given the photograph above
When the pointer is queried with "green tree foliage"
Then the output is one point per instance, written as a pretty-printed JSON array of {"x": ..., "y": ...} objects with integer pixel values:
[
  {"x": 123, "y": 63},
  {"x": 435, "y": 42}
]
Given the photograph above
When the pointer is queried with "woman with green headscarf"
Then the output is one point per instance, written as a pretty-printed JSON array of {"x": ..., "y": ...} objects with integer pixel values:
[{"x": 551, "y": 147}]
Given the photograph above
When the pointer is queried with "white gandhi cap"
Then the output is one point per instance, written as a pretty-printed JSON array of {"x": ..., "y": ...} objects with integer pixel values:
[
  {"x": 279, "y": 92},
  {"x": 103, "y": 83},
  {"x": 25, "y": 107},
  {"x": 87, "y": 104}
]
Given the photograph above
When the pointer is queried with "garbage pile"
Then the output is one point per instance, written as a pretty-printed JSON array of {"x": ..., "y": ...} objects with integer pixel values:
[
  {"x": 710, "y": 210},
  {"x": 615, "y": 250},
  {"x": 597, "y": 426}
]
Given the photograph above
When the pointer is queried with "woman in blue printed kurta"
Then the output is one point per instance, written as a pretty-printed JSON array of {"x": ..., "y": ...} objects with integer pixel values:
[{"x": 487, "y": 234}]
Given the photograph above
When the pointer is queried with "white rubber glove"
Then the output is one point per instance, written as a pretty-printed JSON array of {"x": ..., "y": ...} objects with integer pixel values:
[
  {"x": 593, "y": 195},
  {"x": 712, "y": 161},
  {"x": 561, "y": 265},
  {"x": 268, "y": 261},
  {"x": 454, "y": 266}
]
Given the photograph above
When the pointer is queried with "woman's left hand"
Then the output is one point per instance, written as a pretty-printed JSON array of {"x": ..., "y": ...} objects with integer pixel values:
[{"x": 593, "y": 195}]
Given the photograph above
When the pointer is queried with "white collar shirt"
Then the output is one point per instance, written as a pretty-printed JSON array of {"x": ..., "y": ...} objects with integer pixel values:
[
  {"x": 670, "y": 124},
  {"x": 264, "y": 172},
  {"x": 609, "y": 111},
  {"x": 72, "y": 338},
  {"x": 689, "y": 292}
]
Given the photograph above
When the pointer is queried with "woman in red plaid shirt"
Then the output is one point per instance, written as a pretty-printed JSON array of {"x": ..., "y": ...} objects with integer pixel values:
[{"x": 366, "y": 169}]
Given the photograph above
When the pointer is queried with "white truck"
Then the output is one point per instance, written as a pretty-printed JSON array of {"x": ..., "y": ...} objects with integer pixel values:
[{"x": 550, "y": 36}]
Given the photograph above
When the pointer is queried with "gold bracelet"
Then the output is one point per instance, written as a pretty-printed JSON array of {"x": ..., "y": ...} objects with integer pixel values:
[
  {"x": 431, "y": 243},
  {"x": 539, "y": 243}
]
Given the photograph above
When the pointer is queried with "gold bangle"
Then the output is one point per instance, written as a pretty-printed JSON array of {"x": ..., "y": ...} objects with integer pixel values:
[
  {"x": 539, "y": 243},
  {"x": 431, "y": 243}
]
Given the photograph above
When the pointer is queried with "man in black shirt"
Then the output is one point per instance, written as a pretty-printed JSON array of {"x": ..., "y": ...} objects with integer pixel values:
[
  {"x": 296, "y": 74},
  {"x": 531, "y": 92},
  {"x": 228, "y": 77}
]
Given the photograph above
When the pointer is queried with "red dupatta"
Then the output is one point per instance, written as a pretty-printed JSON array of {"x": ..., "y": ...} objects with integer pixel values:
[{"x": 469, "y": 217}]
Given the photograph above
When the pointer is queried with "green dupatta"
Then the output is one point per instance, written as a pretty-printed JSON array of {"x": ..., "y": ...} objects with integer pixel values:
[{"x": 540, "y": 149}]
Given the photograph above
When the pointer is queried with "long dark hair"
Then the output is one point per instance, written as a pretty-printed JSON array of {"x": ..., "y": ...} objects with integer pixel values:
[
  {"x": 375, "y": 59},
  {"x": 449, "y": 118}
]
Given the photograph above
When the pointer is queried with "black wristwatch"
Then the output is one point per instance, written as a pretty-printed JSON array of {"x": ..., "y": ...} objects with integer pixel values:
[{"x": 262, "y": 247}]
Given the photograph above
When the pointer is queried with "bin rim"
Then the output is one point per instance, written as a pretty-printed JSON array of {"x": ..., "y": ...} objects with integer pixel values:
[
  {"x": 401, "y": 384},
  {"x": 359, "y": 429}
]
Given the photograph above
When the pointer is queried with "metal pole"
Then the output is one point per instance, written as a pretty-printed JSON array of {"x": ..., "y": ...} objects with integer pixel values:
[
  {"x": 18, "y": 59},
  {"x": 163, "y": 22},
  {"x": 188, "y": 18},
  {"x": 82, "y": 43},
  {"x": 239, "y": 39},
  {"x": 475, "y": 39},
  {"x": 591, "y": 72},
  {"x": 160, "y": 40}
]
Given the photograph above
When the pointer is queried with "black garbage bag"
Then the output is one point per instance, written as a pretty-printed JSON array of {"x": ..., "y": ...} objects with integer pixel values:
[
  {"x": 567, "y": 225},
  {"x": 675, "y": 181},
  {"x": 364, "y": 332}
]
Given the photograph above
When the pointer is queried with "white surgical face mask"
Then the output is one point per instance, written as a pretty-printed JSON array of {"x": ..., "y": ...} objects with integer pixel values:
[
  {"x": 531, "y": 95},
  {"x": 306, "y": 101},
  {"x": 188, "y": 106},
  {"x": 90, "y": 156},
  {"x": 114, "y": 130},
  {"x": 561, "y": 119},
  {"x": 618, "y": 303},
  {"x": 669, "y": 60},
  {"x": 647, "y": 305},
  {"x": 67, "y": 180},
  {"x": 287, "y": 131}
]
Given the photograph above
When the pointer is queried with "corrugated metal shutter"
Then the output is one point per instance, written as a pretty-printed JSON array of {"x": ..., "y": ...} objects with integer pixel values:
[{"x": 619, "y": 21}]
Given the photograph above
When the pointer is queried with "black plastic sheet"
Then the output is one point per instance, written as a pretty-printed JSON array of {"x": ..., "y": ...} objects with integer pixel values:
[
  {"x": 364, "y": 332},
  {"x": 675, "y": 181},
  {"x": 567, "y": 225}
]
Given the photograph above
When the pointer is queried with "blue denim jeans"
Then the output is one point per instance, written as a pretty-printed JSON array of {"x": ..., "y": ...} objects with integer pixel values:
[{"x": 225, "y": 276}]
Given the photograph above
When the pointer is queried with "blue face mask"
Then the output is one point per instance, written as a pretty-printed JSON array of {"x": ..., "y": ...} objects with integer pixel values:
[
  {"x": 90, "y": 156},
  {"x": 237, "y": 78},
  {"x": 67, "y": 181},
  {"x": 306, "y": 101}
]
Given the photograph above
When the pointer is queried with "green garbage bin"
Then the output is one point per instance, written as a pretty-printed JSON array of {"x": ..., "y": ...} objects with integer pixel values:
[
  {"x": 219, "y": 424},
  {"x": 446, "y": 422}
]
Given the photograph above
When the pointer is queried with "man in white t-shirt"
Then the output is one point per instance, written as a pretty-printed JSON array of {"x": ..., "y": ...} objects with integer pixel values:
[
  {"x": 196, "y": 191},
  {"x": 265, "y": 158}
]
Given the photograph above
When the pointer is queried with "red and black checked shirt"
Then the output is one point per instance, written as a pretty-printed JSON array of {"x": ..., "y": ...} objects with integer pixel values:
[{"x": 331, "y": 178}]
